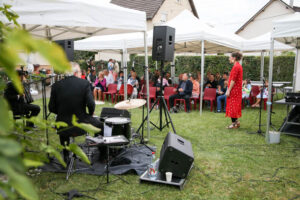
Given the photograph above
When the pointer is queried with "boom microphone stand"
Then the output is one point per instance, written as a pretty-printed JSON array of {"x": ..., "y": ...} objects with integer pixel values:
[{"x": 44, "y": 102}]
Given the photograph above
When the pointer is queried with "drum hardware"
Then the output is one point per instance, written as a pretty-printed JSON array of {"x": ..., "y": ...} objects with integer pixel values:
[{"x": 132, "y": 104}]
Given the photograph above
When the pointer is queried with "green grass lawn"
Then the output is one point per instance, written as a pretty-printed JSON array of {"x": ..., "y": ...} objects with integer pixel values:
[{"x": 229, "y": 164}]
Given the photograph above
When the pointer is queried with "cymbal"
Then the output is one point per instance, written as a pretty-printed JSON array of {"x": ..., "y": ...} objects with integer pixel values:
[{"x": 130, "y": 104}]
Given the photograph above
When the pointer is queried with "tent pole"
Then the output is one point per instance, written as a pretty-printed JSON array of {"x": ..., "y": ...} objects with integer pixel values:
[
  {"x": 202, "y": 75},
  {"x": 147, "y": 83},
  {"x": 173, "y": 70},
  {"x": 262, "y": 65},
  {"x": 269, "y": 102},
  {"x": 125, "y": 70},
  {"x": 122, "y": 60},
  {"x": 295, "y": 81},
  {"x": 241, "y": 62}
]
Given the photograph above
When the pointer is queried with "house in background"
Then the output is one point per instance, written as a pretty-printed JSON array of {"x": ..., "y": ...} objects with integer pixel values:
[
  {"x": 261, "y": 22},
  {"x": 158, "y": 11}
]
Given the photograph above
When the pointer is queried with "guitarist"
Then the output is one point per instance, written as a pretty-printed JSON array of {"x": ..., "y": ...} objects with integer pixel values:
[{"x": 20, "y": 104}]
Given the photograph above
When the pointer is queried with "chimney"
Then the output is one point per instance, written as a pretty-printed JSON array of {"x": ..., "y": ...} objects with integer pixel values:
[{"x": 292, "y": 3}]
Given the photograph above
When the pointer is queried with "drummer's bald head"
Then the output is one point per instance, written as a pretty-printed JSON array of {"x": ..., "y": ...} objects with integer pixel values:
[{"x": 76, "y": 71}]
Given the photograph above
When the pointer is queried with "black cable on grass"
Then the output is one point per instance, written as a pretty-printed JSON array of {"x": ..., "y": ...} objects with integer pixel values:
[
  {"x": 240, "y": 176},
  {"x": 295, "y": 197}
]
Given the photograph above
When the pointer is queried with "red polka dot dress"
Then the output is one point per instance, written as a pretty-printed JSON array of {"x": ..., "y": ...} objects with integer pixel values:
[{"x": 234, "y": 101}]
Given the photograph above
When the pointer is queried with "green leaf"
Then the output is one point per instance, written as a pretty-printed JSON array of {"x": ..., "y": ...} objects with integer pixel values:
[
  {"x": 9, "y": 147},
  {"x": 32, "y": 163},
  {"x": 20, "y": 182},
  {"x": 86, "y": 127},
  {"x": 52, "y": 151},
  {"x": 6, "y": 123},
  {"x": 59, "y": 125},
  {"x": 78, "y": 151}
]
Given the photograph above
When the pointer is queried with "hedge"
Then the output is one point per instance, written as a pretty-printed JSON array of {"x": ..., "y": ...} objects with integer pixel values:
[
  {"x": 283, "y": 67},
  {"x": 282, "y": 71}
]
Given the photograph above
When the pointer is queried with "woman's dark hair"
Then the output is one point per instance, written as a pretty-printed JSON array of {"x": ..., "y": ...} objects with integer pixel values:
[{"x": 238, "y": 56}]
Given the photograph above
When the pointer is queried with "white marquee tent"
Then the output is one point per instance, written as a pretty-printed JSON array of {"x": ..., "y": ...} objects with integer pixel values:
[
  {"x": 67, "y": 19},
  {"x": 70, "y": 19},
  {"x": 191, "y": 36},
  {"x": 286, "y": 30}
]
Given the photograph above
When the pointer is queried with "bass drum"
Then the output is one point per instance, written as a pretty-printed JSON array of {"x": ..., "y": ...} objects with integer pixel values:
[{"x": 117, "y": 126}]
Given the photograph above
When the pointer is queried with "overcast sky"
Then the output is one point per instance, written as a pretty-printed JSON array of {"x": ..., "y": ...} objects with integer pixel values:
[{"x": 230, "y": 13}]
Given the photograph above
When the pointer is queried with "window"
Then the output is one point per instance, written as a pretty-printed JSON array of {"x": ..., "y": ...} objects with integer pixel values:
[{"x": 163, "y": 17}]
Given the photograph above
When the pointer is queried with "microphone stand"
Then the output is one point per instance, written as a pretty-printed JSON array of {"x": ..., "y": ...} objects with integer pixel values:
[{"x": 259, "y": 131}]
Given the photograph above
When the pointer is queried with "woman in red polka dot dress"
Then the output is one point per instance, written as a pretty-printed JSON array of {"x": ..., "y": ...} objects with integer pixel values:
[{"x": 234, "y": 92}]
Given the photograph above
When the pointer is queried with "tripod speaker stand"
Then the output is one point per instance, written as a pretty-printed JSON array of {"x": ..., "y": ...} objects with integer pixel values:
[{"x": 160, "y": 100}]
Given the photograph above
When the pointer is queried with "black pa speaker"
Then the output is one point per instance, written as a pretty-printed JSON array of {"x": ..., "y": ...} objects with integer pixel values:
[
  {"x": 68, "y": 47},
  {"x": 163, "y": 43},
  {"x": 176, "y": 156}
]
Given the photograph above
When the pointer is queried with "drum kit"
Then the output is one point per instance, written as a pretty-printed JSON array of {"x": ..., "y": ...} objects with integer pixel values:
[{"x": 122, "y": 125}]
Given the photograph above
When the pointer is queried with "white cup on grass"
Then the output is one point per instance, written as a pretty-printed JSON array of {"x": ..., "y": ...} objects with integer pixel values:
[{"x": 169, "y": 176}]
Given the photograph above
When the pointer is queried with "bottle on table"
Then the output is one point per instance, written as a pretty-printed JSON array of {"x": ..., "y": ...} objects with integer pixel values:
[{"x": 152, "y": 169}]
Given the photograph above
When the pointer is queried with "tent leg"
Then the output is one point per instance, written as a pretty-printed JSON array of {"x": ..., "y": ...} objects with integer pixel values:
[
  {"x": 202, "y": 75},
  {"x": 296, "y": 83},
  {"x": 125, "y": 70},
  {"x": 262, "y": 65},
  {"x": 269, "y": 102},
  {"x": 173, "y": 70},
  {"x": 147, "y": 84}
]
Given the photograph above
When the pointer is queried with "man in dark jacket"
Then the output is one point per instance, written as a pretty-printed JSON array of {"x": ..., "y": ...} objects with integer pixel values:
[
  {"x": 184, "y": 91},
  {"x": 71, "y": 96},
  {"x": 18, "y": 103}
]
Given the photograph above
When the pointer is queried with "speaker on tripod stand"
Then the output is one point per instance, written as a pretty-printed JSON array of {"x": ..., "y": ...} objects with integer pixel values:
[{"x": 162, "y": 50}]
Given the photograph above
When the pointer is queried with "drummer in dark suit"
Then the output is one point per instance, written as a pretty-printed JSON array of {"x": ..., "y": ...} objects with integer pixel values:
[
  {"x": 19, "y": 103},
  {"x": 73, "y": 96}
]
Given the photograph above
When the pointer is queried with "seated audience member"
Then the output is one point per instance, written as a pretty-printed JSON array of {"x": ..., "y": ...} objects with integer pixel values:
[
  {"x": 157, "y": 85},
  {"x": 180, "y": 77},
  {"x": 19, "y": 103},
  {"x": 71, "y": 96},
  {"x": 120, "y": 80},
  {"x": 100, "y": 86},
  {"x": 168, "y": 77},
  {"x": 92, "y": 78},
  {"x": 196, "y": 87},
  {"x": 110, "y": 65},
  {"x": 222, "y": 97},
  {"x": 184, "y": 91},
  {"x": 199, "y": 77},
  {"x": 108, "y": 75},
  {"x": 218, "y": 77},
  {"x": 135, "y": 84},
  {"x": 246, "y": 90},
  {"x": 264, "y": 96},
  {"x": 88, "y": 73},
  {"x": 155, "y": 77},
  {"x": 207, "y": 77},
  {"x": 221, "y": 85},
  {"x": 211, "y": 83},
  {"x": 116, "y": 66}
]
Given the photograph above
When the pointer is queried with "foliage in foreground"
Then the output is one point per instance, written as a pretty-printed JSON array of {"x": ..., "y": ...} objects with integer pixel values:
[{"x": 14, "y": 142}]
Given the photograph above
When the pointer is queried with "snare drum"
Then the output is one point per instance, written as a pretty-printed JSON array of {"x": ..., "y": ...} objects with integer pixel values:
[{"x": 117, "y": 126}]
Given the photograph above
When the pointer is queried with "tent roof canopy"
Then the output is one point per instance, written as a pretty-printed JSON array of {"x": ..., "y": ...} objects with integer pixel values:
[
  {"x": 262, "y": 43},
  {"x": 287, "y": 30},
  {"x": 69, "y": 19},
  {"x": 187, "y": 39}
]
